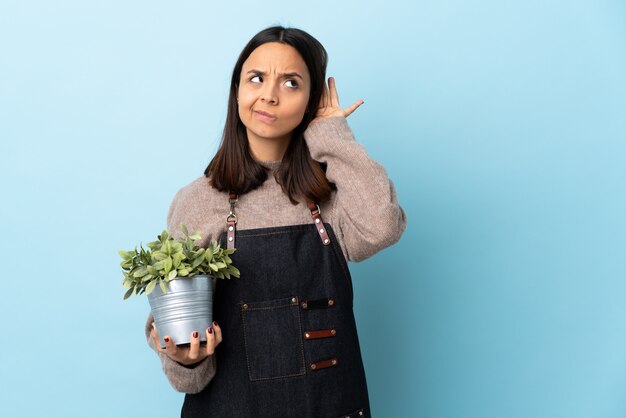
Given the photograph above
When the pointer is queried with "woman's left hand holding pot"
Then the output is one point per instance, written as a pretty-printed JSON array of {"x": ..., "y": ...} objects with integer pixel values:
[{"x": 195, "y": 352}]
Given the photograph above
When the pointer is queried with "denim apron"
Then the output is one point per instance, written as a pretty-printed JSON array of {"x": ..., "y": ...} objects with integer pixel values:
[{"x": 290, "y": 346}]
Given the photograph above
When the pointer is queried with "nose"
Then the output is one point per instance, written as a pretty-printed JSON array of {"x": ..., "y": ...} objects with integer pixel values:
[{"x": 269, "y": 93}]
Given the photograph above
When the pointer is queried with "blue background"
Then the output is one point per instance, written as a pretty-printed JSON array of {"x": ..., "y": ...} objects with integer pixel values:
[{"x": 501, "y": 124}]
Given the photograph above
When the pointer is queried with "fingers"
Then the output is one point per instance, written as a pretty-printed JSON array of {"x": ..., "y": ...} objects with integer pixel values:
[
  {"x": 334, "y": 96},
  {"x": 170, "y": 347},
  {"x": 352, "y": 108},
  {"x": 210, "y": 341},
  {"x": 324, "y": 99},
  {"x": 218, "y": 333},
  {"x": 194, "y": 347},
  {"x": 191, "y": 354},
  {"x": 213, "y": 338},
  {"x": 329, "y": 104},
  {"x": 155, "y": 338}
]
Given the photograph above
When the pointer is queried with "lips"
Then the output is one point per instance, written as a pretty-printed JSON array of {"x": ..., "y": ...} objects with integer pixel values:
[{"x": 264, "y": 116}]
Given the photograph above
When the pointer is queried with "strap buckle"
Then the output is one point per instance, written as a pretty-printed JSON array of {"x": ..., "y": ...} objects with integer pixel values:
[{"x": 232, "y": 216}]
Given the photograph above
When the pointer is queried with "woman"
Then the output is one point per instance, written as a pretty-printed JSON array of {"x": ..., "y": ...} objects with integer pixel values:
[{"x": 284, "y": 341}]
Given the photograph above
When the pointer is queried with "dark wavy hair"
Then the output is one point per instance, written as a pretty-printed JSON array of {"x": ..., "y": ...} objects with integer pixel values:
[{"x": 233, "y": 169}]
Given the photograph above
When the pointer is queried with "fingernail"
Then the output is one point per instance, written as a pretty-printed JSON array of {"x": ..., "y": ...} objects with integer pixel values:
[
  {"x": 210, "y": 330},
  {"x": 195, "y": 334},
  {"x": 166, "y": 339},
  {"x": 214, "y": 323}
]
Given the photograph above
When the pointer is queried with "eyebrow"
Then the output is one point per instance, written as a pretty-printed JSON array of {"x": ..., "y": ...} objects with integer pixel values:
[{"x": 255, "y": 71}]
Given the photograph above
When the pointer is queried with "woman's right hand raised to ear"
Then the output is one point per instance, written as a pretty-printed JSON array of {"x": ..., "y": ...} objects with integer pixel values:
[
  {"x": 195, "y": 352},
  {"x": 329, "y": 103}
]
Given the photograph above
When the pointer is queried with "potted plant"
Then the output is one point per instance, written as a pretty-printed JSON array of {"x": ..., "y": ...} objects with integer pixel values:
[{"x": 176, "y": 275}]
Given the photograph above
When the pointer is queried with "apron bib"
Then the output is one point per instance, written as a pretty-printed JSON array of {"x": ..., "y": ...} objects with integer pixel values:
[{"x": 290, "y": 346}]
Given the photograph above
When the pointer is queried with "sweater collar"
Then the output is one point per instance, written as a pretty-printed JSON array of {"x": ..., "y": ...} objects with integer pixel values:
[{"x": 271, "y": 164}]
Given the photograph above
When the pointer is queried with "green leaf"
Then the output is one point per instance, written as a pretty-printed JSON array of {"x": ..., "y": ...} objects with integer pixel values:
[
  {"x": 197, "y": 262},
  {"x": 140, "y": 272},
  {"x": 128, "y": 293},
  {"x": 195, "y": 236},
  {"x": 171, "y": 275},
  {"x": 159, "y": 256},
  {"x": 150, "y": 287},
  {"x": 125, "y": 255},
  {"x": 154, "y": 245},
  {"x": 162, "y": 285},
  {"x": 213, "y": 267},
  {"x": 184, "y": 229},
  {"x": 167, "y": 264},
  {"x": 177, "y": 258}
]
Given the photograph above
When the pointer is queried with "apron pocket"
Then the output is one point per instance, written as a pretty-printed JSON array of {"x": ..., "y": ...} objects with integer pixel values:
[{"x": 272, "y": 335}]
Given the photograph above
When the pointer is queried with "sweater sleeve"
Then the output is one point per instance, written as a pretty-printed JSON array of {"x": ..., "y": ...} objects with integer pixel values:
[
  {"x": 365, "y": 208},
  {"x": 182, "y": 379}
]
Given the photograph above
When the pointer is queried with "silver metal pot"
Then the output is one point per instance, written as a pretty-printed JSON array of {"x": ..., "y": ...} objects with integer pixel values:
[{"x": 187, "y": 306}]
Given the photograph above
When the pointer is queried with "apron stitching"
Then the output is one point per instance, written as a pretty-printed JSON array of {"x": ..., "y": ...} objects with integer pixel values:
[{"x": 240, "y": 236}]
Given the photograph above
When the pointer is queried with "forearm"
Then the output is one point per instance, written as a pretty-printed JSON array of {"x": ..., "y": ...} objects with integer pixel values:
[{"x": 366, "y": 208}]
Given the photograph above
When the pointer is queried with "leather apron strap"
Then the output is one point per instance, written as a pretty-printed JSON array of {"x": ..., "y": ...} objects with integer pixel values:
[{"x": 231, "y": 221}]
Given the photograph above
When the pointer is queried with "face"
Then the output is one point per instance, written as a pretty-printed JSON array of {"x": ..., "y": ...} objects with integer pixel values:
[{"x": 275, "y": 80}]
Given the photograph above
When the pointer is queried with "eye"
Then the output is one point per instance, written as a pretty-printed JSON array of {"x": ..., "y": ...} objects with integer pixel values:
[
  {"x": 255, "y": 77},
  {"x": 294, "y": 82}
]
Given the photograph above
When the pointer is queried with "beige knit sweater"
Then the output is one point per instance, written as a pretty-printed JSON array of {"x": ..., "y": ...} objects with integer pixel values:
[{"x": 364, "y": 213}]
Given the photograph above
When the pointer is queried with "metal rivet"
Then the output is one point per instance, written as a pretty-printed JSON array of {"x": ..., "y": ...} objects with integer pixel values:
[
  {"x": 332, "y": 331},
  {"x": 293, "y": 300},
  {"x": 321, "y": 230},
  {"x": 230, "y": 228},
  {"x": 361, "y": 413},
  {"x": 313, "y": 366},
  {"x": 326, "y": 241},
  {"x": 304, "y": 305},
  {"x": 230, "y": 238},
  {"x": 331, "y": 302},
  {"x": 334, "y": 362},
  {"x": 245, "y": 306},
  {"x": 307, "y": 335},
  {"x": 317, "y": 221}
]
